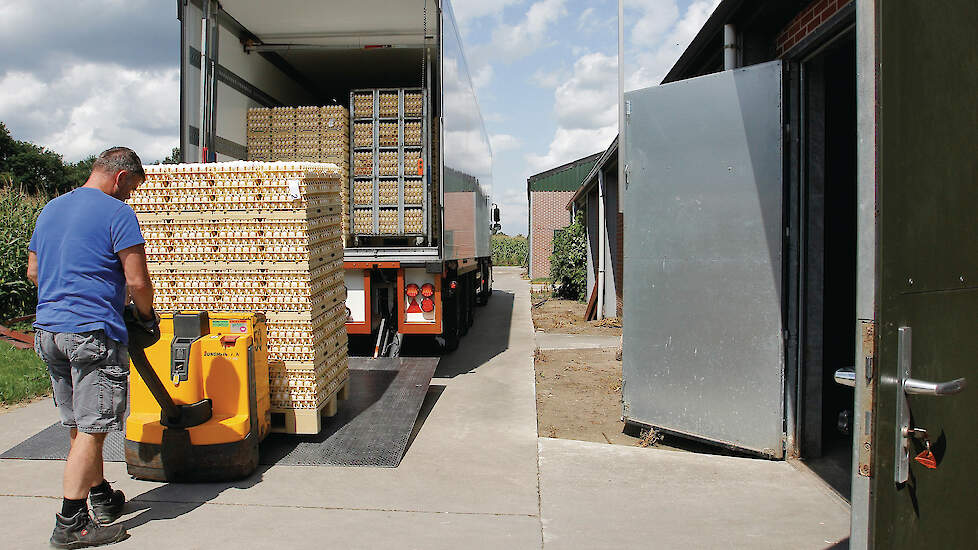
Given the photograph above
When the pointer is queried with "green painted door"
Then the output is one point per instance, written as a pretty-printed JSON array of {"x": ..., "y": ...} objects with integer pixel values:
[{"x": 927, "y": 267}]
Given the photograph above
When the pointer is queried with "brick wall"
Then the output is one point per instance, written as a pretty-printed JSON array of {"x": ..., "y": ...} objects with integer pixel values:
[
  {"x": 807, "y": 21},
  {"x": 548, "y": 211},
  {"x": 459, "y": 228}
]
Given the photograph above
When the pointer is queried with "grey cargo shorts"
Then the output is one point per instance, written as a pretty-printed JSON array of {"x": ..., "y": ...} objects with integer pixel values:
[{"x": 90, "y": 377}]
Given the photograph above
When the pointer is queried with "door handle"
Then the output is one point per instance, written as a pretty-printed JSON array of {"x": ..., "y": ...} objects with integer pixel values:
[
  {"x": 911, "y": 386},
  {"x": 846, "y": 377}
]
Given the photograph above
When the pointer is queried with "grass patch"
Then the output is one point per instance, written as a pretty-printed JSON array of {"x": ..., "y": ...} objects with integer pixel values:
[{"x": 23, "y": 375}]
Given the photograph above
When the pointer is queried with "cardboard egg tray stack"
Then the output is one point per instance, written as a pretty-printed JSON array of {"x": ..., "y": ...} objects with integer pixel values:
[
  {"x": 262, "y": 237},
  {"x": 303, "y": 134},
  {"x": 388, "y": 161}
]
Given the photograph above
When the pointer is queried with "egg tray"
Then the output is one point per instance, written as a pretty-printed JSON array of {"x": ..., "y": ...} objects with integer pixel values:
[
  {"x": 363, "y": 104},
  {"x": 413, "y": 104},
  {"x": 286, "y": 400}
]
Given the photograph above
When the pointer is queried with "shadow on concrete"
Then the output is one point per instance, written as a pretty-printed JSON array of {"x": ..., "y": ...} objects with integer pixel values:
[
  {"x": 841, "y": 545},
  {"x": 430, "y": 398},
  {"x": 172, "y": 500},
  {"x": 487, "y": 338}
]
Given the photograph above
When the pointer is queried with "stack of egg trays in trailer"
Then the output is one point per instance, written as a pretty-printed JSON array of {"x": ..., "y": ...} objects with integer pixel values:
[
  {"x": 304, "y": 134},
  {"x": 389, "y": 159},
  {"x": 256, "y": 237}
]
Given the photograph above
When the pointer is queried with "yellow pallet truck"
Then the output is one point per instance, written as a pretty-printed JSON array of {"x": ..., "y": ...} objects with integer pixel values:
[{"x": 199, "y": 398}]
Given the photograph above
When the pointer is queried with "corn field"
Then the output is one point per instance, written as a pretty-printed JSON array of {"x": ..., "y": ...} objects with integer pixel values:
[
  {"x": 509, "y": 250},
  {"x": 18, "y": 212}
]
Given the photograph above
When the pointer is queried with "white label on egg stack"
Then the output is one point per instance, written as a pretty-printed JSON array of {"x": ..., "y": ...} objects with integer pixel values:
[{"x": 294, "y": 193}]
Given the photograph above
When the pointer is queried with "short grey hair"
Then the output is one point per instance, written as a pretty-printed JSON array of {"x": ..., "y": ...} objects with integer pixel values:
[{"x": 120, "y": 158}]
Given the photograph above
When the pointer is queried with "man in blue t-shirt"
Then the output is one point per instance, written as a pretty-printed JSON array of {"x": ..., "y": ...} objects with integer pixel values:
[{"x": 86, "y": 251}]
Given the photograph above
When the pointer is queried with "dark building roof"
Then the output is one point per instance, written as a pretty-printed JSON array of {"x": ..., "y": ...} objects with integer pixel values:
[
  {"x": 567, "y": 177},
  {"x": 609, "y": 156},
  {"x": 459, "y": 182},
  {"x": 757, "y": 21}
]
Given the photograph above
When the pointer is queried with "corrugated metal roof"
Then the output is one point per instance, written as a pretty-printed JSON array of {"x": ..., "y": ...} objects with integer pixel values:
[{"x": 563, "y": 178}]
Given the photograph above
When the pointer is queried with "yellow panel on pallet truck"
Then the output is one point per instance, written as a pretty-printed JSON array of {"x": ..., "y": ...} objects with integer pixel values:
[{"x": 218, "y": 356}]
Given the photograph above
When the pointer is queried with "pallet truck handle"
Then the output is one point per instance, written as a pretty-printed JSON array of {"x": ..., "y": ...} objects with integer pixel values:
[{"x": 143, "y": 334}]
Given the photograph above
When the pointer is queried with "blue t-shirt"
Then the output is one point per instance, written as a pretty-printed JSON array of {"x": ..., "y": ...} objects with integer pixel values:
[{"x": 81, "y": 284}]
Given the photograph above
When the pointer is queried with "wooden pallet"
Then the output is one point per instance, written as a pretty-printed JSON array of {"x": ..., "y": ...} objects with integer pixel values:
[{"x": 309, "y": 421}]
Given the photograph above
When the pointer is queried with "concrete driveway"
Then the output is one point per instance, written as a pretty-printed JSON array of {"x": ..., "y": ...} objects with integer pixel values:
[{"x": 475, "y": 476}]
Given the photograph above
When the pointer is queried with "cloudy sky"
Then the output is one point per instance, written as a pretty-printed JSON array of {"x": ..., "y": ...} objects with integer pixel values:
[{"x": 545, "y": 71}]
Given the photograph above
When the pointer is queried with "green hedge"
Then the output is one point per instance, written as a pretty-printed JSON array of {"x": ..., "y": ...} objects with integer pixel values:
[
  {"x": 508, "y": 250},
  {"x": 568, "y": 263}
]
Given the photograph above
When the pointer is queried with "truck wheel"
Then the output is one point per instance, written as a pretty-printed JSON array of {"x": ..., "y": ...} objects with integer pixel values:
[
  {"x": 465, "y": 305},
  {"x": 450, "y": 333}
]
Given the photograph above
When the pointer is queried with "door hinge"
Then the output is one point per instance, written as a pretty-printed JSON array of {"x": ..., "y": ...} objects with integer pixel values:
[{"x": 628, "y": 108}]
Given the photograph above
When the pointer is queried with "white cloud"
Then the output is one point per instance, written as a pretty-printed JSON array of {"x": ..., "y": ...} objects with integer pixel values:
[
  {"x": 467, "y": 11},
  {"x": 504, "y": 142},
  {"x": 513, "y": 42},
  {"x": 586, "y": 110},
  {"x": 585, "y": 20},
  {"x": 572, "y": 144},
  {"x": 589, "y": 99},
  {"x": 76, "y": 114},
  {"x": 482, "y": 76},
  {"x": 548, "y": 79},
  {"x": 513, "y": 210},
  {"x": 660, "y": 36}
]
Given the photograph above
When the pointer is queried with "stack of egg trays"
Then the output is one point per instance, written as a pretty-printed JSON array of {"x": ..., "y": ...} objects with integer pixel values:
[
  {"x": 304, "y": 134},
  {"x": 307, "y": 357},
  {"x": 386, "y": 146},
  {"x": 284, "y": 262}
]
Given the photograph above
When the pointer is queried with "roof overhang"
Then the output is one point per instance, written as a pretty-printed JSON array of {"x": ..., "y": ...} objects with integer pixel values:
[{"x": 592, "y": 178}]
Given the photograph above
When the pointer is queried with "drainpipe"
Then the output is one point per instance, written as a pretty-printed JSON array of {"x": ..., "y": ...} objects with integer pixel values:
[
  {"x": 602, "y": 237},
  {"x": 729, "y": 47}
]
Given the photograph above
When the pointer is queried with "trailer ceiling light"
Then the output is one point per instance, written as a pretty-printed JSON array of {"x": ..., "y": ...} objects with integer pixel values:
[
  {"x": 428, "y": 290},
  {"x": 411, "y": 290},
  {"x": 427, "y": 305}
]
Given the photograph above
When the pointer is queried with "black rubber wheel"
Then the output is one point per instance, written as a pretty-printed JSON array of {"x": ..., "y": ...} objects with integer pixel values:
[{"x": 450, "y": 333}]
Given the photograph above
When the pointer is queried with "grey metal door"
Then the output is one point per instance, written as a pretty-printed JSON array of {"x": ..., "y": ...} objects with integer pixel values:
[{"x": 703, "y": 353}]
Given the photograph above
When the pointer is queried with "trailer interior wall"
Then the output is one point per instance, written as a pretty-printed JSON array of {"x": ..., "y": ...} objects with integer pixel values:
[{"x": 320, "y": 53}]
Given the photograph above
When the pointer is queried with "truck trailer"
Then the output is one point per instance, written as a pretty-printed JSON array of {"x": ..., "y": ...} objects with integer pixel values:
[{"x": 238, "y": 55}]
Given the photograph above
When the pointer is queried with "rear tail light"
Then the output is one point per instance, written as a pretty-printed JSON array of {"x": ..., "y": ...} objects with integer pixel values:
[
  {"x": 427, "y": 305},
  {"x": 411, "y": 290},
  {"x": 428, "y": 290},
  {"x": 452, "y": 285}
]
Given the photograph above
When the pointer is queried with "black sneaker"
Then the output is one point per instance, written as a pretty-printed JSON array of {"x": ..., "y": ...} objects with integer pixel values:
[
  {"x": 82, "y": 530},
  {"x": 107, "y": 507}
]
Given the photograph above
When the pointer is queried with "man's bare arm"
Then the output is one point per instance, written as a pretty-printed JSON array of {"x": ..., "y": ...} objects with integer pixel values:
[
  {"x": 32, "y": 266},
  {"x": 137, "y": 278}
]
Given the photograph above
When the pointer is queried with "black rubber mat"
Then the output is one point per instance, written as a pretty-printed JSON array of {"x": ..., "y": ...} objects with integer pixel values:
[{"x": 371, "y": 428}]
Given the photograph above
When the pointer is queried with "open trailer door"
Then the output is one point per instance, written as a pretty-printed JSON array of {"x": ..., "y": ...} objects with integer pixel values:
[{"x": 703, "y": 349}]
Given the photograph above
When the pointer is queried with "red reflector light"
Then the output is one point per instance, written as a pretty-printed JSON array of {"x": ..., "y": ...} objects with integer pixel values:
[
  {"x": 413, "y": 308},
  {"x": 428, "y": 290},
  {"x": 453, "y": 284},
  {"x": 427, "y": 305},
  {"x": 411, "y": 290}
]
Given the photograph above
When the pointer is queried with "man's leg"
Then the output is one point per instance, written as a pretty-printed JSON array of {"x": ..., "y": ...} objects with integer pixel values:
[{"x": 83, "y": 469}]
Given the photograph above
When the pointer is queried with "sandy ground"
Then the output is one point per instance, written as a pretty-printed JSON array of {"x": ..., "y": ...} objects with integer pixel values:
[
  {"x": 579, "y": 396},
  {"x": 578, "y": 391},
  {"x": 567, "y": 317}
]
